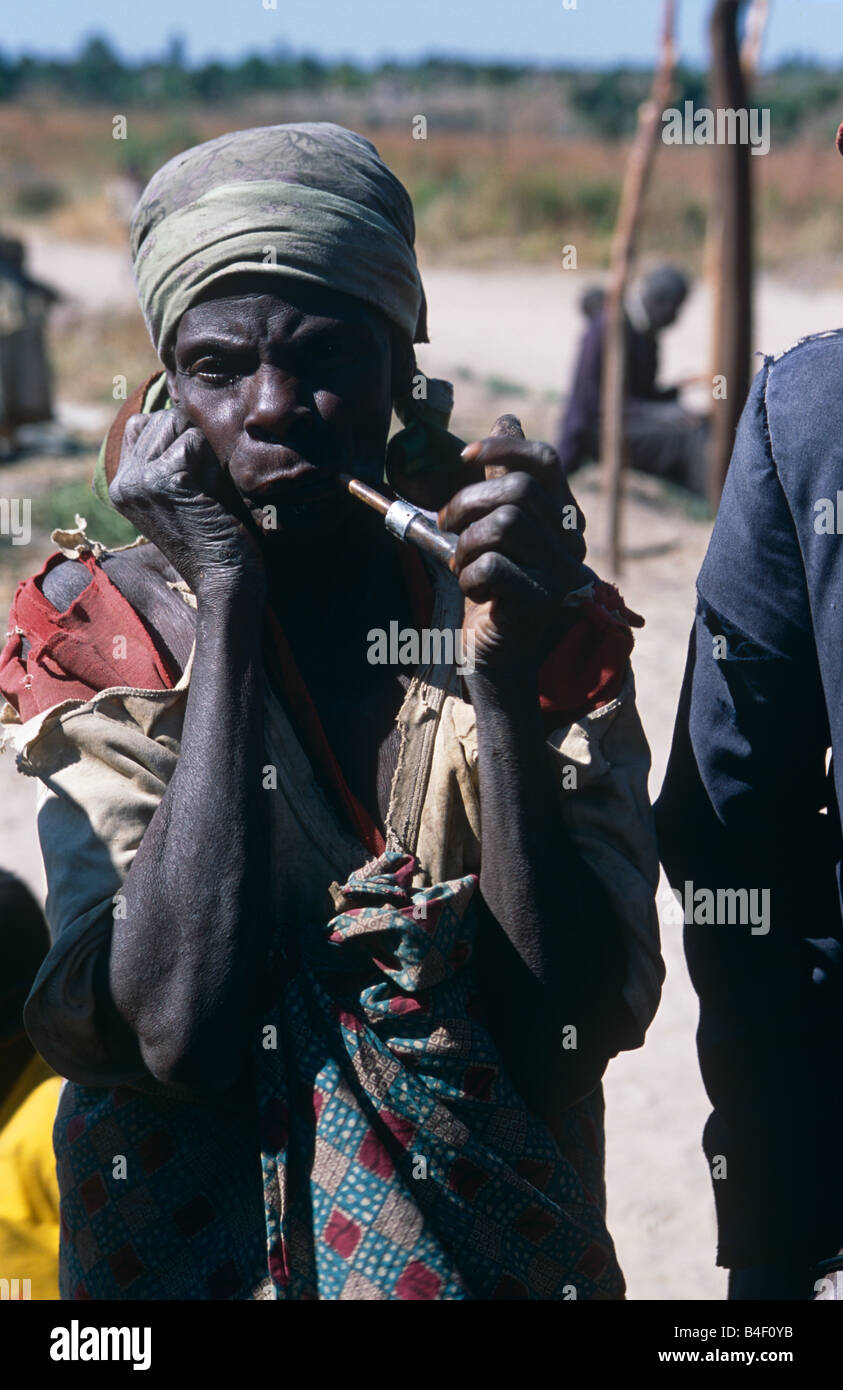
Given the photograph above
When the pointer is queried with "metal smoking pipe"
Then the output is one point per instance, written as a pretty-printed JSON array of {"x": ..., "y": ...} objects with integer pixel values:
[
  {"x": 405, "y": 521},
  {"x": 410, "y": 523}
]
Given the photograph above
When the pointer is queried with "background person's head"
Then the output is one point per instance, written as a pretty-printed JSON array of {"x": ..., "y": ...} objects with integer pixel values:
[{"x": 661, "y": 293}]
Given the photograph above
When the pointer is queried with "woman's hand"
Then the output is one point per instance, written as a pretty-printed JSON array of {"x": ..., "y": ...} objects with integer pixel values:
[
  {"x": 171, "y": 487},
  {"x": 520, "y": 551}
]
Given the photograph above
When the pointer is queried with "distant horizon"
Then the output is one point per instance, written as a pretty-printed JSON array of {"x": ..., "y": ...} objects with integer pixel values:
[
  {"x": 290, "y": 51},
  {"x": 597, "y": 34}
]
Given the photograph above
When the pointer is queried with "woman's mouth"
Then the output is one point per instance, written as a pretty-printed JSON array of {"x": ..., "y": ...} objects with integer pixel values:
[
  {"x": 279, "y": 473},
  {"x": 302, "y": 474},
  {"x": 292, "y": 490}
]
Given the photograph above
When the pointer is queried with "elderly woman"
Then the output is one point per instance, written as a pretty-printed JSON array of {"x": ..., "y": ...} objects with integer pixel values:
[{"x": 317, "y": 1045}]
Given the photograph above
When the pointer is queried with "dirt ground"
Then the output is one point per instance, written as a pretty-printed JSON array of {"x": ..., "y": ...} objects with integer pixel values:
[{"x": 508, "y": 340}]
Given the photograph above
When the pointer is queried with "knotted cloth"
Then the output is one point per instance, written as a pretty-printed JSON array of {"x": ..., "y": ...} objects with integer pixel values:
[
  {"x": 398, "y": 1159},
  {"x": 312, "y": 201}
]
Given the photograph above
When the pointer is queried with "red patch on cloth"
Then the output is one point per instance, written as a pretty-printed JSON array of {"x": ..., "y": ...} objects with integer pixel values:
[
  {"x": 479, "y": 1081},
  {"x": 592, "y": 1262},
  {"x": 342, "y": 1234},
  {"x": 587, "y": 668},
  {"x": 535, "y": 1171},
  {"x": 418, "y": 1282},
  {"x": 155, "y": 1150},
  {"x": 466, "y": 1178},
  {"x": 404, "y": 1004},
  {"x": 374, "y": 1156},
  {"x": 535, "y": 1224},
  {"x": 347, "y": 1020},
  {"x": 93, "y": 1194},
  {"x": 75, "y": 1127},
  {"x": 403, "y": 1130},
  {"x": 277, "y": 1264}
]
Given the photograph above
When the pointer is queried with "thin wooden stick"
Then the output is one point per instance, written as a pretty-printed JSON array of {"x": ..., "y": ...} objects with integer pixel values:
[
  {"x": 713, "y": 258},
  {"x": 623, "y": 248},
  {"x": 753, "y": 37},
  {"x": 732, "y": 338}
]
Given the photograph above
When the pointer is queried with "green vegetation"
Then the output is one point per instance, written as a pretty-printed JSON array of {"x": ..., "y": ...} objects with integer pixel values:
[
  {"x": 802, "y": 95},
  {"x": 499, "y": 386},
  {"x": 520, "y": 162},
  {"x": 55, "y": 510}
]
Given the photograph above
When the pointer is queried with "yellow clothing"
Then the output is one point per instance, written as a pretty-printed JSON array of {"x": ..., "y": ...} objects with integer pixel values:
[{"x": 29, "y": 1193}]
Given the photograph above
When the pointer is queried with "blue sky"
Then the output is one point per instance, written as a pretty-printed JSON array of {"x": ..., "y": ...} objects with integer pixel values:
[{"x": 597, "y": 31}]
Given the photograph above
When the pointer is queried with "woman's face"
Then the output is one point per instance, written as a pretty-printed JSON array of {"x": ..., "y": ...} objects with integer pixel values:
[{"x": 289, "y": 388}]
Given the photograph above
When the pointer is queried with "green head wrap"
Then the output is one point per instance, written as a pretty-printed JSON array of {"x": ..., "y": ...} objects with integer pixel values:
[{"x": 313, "y": 201}]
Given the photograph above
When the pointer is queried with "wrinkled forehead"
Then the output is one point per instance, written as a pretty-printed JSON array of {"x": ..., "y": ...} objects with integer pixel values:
[{"x": 246, "y": 306}]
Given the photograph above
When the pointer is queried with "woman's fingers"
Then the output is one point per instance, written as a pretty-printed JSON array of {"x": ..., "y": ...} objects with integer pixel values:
[
  {"x": 531, "y": 456},
  {"x": 144, "y": 437},
  {"x": 134, "y": 427},
  {"x": 494, "y": 576},
  {"x": 478, "y": 499},
  {"x": 164, "y": 452},
  {"x": 527, "y": 455},
  {"x": 507, "y": 531},
  {"x": 541, "y": 462}
]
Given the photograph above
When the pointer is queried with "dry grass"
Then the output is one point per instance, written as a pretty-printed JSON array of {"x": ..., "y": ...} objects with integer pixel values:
[
  {"x": 89, "y": 350},
  {"x": 478, "y": 197}
]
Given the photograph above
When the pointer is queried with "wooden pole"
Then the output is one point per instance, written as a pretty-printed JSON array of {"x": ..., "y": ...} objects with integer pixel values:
[
  {"x": 750, "y": 53},
  {"x": 623, "y": 249},
  {"x": 753, "y": 37},
  {"x": 733, "y": 194}
]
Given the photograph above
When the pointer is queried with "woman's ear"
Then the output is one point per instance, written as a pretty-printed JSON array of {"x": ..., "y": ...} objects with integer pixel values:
[{"x": 172, "y": 384}]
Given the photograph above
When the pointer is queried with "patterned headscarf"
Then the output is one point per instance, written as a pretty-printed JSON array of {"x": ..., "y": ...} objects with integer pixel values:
[{"x": 313, "y": 201}]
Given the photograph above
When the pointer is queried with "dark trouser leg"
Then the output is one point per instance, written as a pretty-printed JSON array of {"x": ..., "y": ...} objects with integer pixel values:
[{"x": 668, "y": 442}]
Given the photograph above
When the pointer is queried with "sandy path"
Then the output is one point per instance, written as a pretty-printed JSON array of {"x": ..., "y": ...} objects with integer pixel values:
[
  {"x": 660, "y": 1206},
  {"x": 98, "y": 277},
  {"x": 523, "y": 326}
]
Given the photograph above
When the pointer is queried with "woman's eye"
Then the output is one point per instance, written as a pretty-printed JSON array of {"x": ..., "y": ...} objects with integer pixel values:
[{"x": 217, "y": 371}]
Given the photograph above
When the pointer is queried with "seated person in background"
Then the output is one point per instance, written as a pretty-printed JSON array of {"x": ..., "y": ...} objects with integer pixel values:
[
  {"x": 29, "y": 1094},
  {"x": 662, "y": 437}
]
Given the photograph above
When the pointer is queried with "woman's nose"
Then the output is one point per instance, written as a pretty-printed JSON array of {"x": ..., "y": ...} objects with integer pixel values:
[{"x": 274, "y": 405}]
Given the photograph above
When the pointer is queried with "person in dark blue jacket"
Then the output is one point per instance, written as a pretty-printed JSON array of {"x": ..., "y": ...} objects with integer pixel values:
[{"x": 749, "y": 826}]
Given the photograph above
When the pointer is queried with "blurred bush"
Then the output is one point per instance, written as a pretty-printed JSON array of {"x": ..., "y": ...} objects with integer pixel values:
[
  {"x": 603, "y": 104},
  {"x": 56, "y": 509},
  {"x": 36, "y": 197}
]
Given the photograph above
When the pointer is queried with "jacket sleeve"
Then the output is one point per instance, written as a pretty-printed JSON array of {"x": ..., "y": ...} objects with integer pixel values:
[{"x": 745, "y": 808}]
